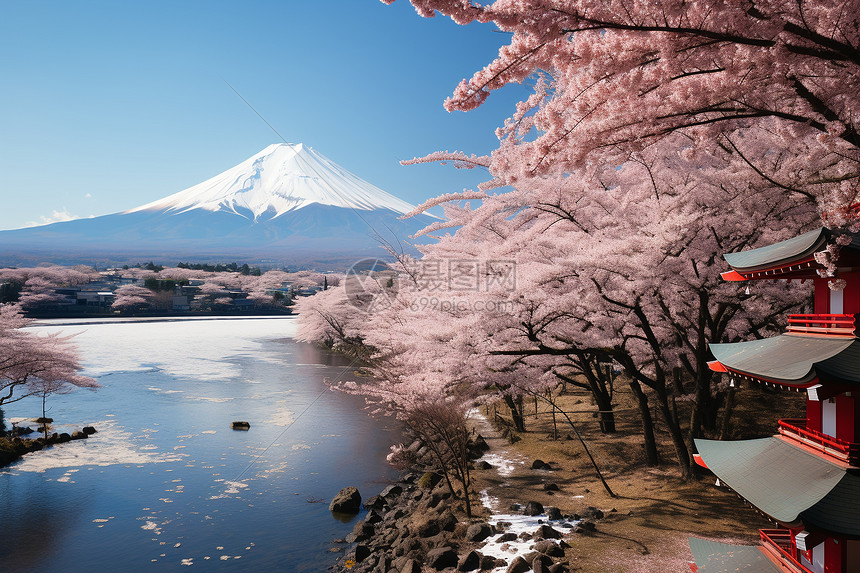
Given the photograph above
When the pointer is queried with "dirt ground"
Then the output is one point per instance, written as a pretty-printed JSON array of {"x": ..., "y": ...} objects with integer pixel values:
[{"x": 654, "y": 512}]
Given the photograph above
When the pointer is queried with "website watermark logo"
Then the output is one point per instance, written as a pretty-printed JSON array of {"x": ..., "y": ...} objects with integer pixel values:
[{"x": 439, "y": 284}]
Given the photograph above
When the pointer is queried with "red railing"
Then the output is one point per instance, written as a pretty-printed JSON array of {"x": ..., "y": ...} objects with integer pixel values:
[
  {"x": 838, "y": 448},
  {"x": 778, "y": 542},
  {"x": 826, "y": 324}
]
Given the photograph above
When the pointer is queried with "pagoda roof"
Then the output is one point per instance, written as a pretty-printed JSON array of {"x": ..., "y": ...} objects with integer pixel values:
[
  {"x": 787, "y": 482},
  {"x": 793, "y": 359},
  {"x": 715, "y": 557},
  {"x": 778, "y": 254},
  {"x": 790, "y": 258}
]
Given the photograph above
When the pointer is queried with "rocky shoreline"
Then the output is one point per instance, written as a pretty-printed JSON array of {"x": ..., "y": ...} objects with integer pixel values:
[
  {"x": 12, "y": 448},
  {"x": 416, "y": 525}
]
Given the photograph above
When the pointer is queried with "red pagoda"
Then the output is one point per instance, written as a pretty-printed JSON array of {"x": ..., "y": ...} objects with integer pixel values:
[{"x": 807, "y": 477}]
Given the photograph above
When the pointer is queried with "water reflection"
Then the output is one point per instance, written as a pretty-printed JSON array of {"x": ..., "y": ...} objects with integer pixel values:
[{"x": 177, "y": 486}]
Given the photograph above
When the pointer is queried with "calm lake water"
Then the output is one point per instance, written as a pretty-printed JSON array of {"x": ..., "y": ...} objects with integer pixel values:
[{"x": 165, "y": 484}]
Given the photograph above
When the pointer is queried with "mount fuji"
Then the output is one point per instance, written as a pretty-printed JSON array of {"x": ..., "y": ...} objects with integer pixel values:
[{"x": 288, "y": 204}]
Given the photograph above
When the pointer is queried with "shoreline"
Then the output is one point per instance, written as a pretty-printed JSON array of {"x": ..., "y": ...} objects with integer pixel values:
[{"x": 644, "y": 528}]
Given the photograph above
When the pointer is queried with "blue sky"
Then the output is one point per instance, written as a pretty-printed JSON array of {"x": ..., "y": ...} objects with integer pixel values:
[{"x": 109, "y": 105}]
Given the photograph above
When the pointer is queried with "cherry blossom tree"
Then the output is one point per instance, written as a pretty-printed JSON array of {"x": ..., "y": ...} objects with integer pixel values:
[
  {"x": 129, "y": 298},
  {"x": 33, "y": 364},
  {"x": 656, "y": 137},
  {"x": 612, "y": 78}
]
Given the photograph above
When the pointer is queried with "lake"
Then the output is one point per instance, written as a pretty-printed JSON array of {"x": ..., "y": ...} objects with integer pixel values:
[{"x": 166, "y": 484}]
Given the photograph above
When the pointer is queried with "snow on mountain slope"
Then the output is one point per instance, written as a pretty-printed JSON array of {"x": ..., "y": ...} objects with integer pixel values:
[{"x": 281, "y": 178}]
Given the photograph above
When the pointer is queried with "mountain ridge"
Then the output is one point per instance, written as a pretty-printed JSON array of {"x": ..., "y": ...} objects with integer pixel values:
[{"x": 287, "y": 202}]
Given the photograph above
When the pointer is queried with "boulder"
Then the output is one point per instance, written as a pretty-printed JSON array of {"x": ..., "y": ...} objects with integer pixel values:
[
  {"x": 64, "y": 437},
  {"x": 592, "y": 513},
  {"x": 424, "y": 526},
  {"x": 77, "y": 435},
  {"x": 558, "y": 568},
  {"x": 489, "y": 562},
  {"x": 553, "y": 513},
  {"x": 478, "y": 532},
  {"x": 411, "y": 566},
  {"x": 88, "y": 430},
  {"x": 549, "y": 548},
  {"x": 375, "y": 502},
  {"x": 546, "y": 532},
  {"x": 447, "y": 521},
  {"x": 240, "y": 425},
  {"x": 362, "y": 552},
  {"x": 348, "y": 500},
  {"x": 541, "y": 564},
  {"x": 533, "y": 508},
  {"x": 585, "y": 527},
  {"x": 361, "y": 532},
  {"x": 469, "y": 562},
  {"x": 539, "y": 465},
  {"x": 518, "y": 565},
  {"x": 373, "y": 517},
  {"x": 483, "y": 465},
  {"x": 505, "y": 537},
  {"x": 550, "y": 487},
  {"x": 391, "y": 491},
  {"x": 441, "y": 558},
  {"x": 429, "y": 480},
  {"x": 44, "y": 420}
]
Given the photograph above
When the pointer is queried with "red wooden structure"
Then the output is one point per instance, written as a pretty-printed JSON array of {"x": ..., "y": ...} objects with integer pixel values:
[{"x": 806, "y": 477}]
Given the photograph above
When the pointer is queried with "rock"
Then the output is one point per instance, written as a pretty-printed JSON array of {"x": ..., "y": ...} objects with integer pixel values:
[
  {"x": 518, "y": 565},
  {"x": 505, "y": 537},
  {"x": 483, "y": 465},
  {"x": 550, "y": 487},
  {"x": 447, "y": 521},
  {"x": 64, "y": 437},
  {"x": 558, "y": 568},
  {"x": 77, "y": 435},
  {"x": 393, "y": 491},
  {"x": 361, "y": 532},
  {"x": 44, "y": 420},
  {"x": 441, "y": 557},
  {"x": 533, "y": 508},
  {"x": 424, "y": 526},
  {"x": 361, "y": 553},
  {"x": 585, "y": 527},
  {"x": 470, "y": 562},
  {"x": 240, "y": 425},
  {"x": 429, "y": 480},
  {"x": 539, "y": 465},
  {"x": 375, "y": 502},
  {"x": 478, "y": 532},
  {"x": 88, "y": 430},
  {"x": 541, "y": 564},
  {"x": 411, "y": 566},
  {"x": 546, "y": 532},
  {"x": 553, "y": 513},
  {"x": 348, "y": 500},
  {"x": 489, "y": 562},
  {"x": 478, "y": 447},
  {"x": 549, "y": 548},
  {"x": 373, "y": 517},
  {"x": 593, "y": 513}
]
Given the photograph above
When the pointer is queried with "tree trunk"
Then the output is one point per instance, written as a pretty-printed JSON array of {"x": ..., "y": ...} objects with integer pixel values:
[
  {"x": 726, "y": 427},
  {"x": 652, "y": 457},
  {"x": 516, "y": 406},
  {"x": 606, "y": 415},
  {"x": 681, "y": 450}
]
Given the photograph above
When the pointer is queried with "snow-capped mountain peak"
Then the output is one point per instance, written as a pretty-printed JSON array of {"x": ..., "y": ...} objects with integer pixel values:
[{"x": 281, "y": 178}]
